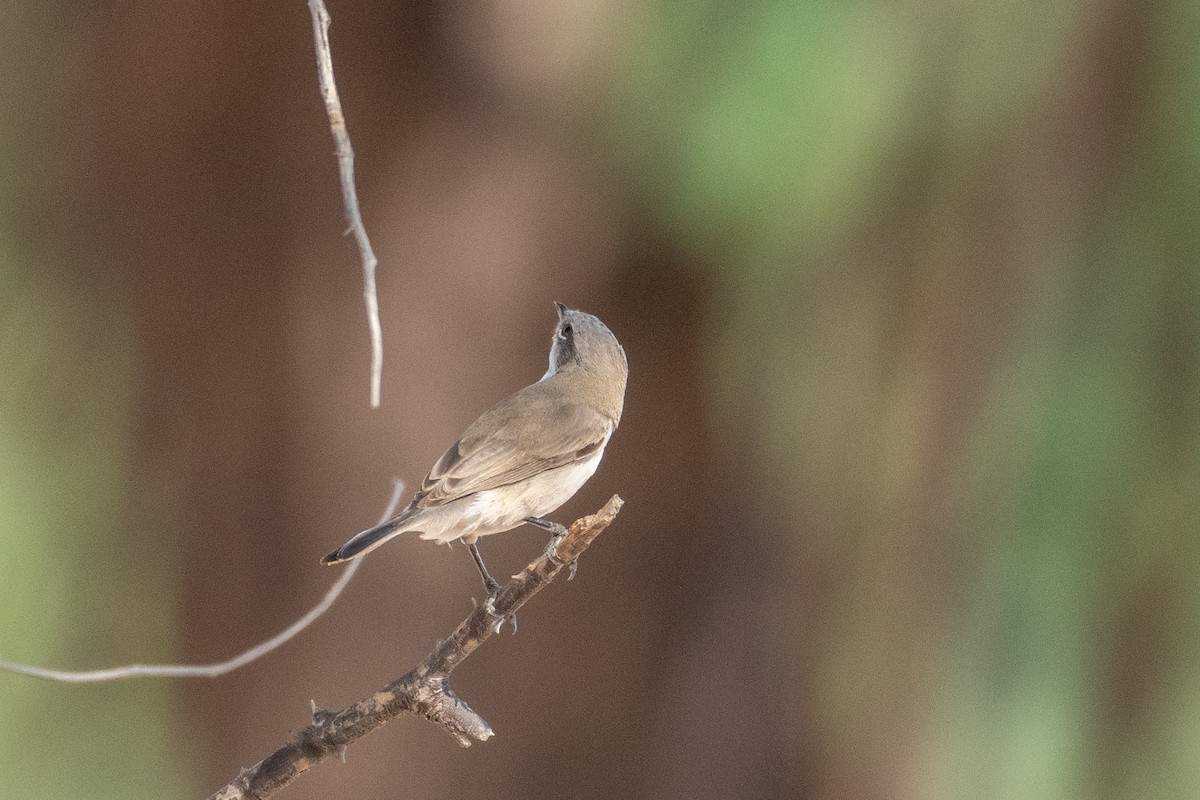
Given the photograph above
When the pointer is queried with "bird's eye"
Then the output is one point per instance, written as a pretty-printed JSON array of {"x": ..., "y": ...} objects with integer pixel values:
[{"x": 567, "y": 330}]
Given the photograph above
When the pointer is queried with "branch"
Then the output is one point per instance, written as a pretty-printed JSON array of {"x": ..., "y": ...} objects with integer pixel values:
[
  {"x": 345, "y": 156},
  {"x": 425, "y": 689},
  {"x": 207, "y": 670}
]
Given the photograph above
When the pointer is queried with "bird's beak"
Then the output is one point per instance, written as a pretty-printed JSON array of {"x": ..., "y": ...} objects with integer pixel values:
[{"x": 561, "y": 309}]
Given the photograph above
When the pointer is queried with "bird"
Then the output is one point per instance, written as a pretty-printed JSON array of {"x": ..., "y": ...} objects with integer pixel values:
[{"x": 523, "y": 457}]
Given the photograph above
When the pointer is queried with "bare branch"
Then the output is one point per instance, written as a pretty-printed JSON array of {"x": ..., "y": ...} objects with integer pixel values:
[
  {"x": 424, "y": 690},
  {"x": 207, "y": 670},
  {"x": 345, "y": 155}
]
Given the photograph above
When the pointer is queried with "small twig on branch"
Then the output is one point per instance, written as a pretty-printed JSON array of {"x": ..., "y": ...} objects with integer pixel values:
[
  {"x": 424, "y": 690},
  {"x": 207, "y": 670},
  {"x": 345, "y": 156}
]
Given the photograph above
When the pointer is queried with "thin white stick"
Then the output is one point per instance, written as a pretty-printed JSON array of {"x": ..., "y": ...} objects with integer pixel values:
[
  {"x": 345, "y": 155},
  {"x": 207, "y": 670}
]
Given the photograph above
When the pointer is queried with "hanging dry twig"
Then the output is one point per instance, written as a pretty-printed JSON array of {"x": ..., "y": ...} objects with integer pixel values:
[
  {"x": 424, "y": 690},
  {"x": 345, "y": 156}
]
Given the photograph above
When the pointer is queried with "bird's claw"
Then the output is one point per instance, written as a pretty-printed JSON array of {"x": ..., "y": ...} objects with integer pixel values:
[
  {"x": 552, "y": 549},
  {"x": 553, "y": 557},
  {"x": 489, "y": 607}
]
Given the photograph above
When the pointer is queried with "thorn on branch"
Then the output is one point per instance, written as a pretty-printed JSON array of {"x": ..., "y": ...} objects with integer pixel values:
[{"x": 320, "y": 716}]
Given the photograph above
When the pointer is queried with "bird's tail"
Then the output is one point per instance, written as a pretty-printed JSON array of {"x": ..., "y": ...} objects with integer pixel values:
[{"x": 368, "y": 540}]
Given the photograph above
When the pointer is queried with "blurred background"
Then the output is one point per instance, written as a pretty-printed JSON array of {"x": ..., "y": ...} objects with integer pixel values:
[{"x": 911, "y": 447}]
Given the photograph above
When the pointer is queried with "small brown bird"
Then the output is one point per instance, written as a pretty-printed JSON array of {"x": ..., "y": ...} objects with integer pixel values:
[{"x": 526, "y": 456}]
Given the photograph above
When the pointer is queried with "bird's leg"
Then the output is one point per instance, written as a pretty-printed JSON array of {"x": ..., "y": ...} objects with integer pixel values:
[
  {"x": 489, "y": 583},
  {"x": 548, "y": 525},
  {"x": 560, "y": 533},
  {"x": 493, "y": 589}
]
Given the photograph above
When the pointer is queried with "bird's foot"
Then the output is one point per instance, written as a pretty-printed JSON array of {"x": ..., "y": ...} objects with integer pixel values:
[
  {"x": 560, "y": 533},
  {"x": 489, "y": 605},
  {"x": 552, "y": 548},
  {"x": 553, "y": 557}
]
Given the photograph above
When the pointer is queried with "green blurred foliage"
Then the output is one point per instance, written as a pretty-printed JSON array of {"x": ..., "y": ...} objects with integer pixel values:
[
  {"x": 959, "y": 312},
  {"x": 77, "y": 599},
  {"x": 71, "y": 595}
]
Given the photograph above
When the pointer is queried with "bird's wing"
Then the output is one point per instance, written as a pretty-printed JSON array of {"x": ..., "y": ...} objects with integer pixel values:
[{"x": 527, "y": 433}]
